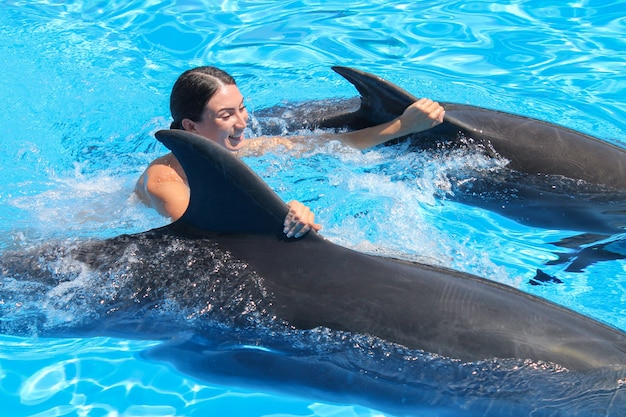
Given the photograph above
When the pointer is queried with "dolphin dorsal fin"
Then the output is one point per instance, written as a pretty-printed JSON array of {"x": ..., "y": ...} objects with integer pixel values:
[
  {"x": 381, "y": 101},
  {"x": 226, "y": 195}
]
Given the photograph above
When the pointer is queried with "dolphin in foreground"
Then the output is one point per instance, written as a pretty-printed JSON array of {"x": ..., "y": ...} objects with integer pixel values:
[
  {"x": 232, "y": 232},
  {"x": 316, "y": 283}
]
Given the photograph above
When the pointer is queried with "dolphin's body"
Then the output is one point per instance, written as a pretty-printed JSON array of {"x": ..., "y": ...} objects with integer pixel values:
[
  {"x": 312, "y": 282},
  {"x": 531, "y": 146},
  {"x": 555, "y": 177},
  {"x": 316, "y": 283}
]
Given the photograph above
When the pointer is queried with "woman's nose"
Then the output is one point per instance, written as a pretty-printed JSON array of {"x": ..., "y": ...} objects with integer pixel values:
[{"x": 242, "y": 119}]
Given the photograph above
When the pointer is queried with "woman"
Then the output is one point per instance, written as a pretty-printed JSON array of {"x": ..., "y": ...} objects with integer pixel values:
[{"x": 206, "y": 101}]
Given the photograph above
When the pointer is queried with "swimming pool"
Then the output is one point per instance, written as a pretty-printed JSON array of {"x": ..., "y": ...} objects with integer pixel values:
[{"x": 86, "y": 85}]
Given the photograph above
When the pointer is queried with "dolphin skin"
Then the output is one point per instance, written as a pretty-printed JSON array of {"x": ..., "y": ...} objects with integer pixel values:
[
  {"x": 555, "y": 177},
  {"x": 317, "y": 283},
  {"x": 312, "y": 282}
]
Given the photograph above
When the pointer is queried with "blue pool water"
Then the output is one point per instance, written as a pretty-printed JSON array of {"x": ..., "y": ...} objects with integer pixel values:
[{"x": 85, "y": 85}]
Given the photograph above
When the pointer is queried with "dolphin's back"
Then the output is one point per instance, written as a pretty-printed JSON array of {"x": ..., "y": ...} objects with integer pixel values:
[
  {"x": 532, "y": 146},
  {"x": 451, "y": 313},
  {"x": 314, "y": 282},
  {"x": 537, "y": 147}
]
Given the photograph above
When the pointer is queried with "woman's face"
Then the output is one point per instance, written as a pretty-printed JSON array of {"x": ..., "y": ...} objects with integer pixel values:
[{"x": 223, "y": 120}]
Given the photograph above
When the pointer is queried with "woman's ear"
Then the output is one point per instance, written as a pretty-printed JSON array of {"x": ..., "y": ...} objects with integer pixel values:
[{"x": 188, "y": 125}]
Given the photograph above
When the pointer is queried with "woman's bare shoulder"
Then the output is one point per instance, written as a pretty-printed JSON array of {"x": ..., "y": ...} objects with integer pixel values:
[{"x": 166, "y": 168}]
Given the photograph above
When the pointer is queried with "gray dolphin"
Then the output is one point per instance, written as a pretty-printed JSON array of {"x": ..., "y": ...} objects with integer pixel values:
[
  {"x": 531, "y": 146},
  {"x": 555, "y": 178},
  {"x": 316, "y": 283},
  {"x": 312, "y": 282}
]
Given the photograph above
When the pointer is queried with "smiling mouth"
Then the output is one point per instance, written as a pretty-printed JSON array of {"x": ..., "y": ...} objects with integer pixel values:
[{"x": 235, "y": 142}]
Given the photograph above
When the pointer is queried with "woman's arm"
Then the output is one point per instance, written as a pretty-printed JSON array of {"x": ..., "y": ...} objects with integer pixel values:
[{"x": 419, "y": 116}]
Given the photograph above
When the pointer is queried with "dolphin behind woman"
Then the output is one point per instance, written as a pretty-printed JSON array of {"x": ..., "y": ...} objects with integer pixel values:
[{"x": 555, "y": 177}]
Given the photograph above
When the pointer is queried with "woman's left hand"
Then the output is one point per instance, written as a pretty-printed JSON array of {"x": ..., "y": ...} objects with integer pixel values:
[
  {"x": 422, "y": 115},
  {"x": 299, "y": 220}
]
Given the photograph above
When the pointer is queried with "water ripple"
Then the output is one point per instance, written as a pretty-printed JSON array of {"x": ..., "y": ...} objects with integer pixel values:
[
  {"x": 529, "y": 57},
  {"x": 86, "y": 85}
]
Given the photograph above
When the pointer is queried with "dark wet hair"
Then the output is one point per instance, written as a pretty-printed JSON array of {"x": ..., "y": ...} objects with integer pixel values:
[{"x": 192, "y": 90}]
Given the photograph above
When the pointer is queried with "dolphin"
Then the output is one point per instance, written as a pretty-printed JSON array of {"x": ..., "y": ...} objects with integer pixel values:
[
  {"x": 531, "y": 146},
  {"x": 312, "y": 282},
  {"x": 555, "y": 177},
  {"x": 316, "y": 283},
  {"x": 232, "y": 231}
]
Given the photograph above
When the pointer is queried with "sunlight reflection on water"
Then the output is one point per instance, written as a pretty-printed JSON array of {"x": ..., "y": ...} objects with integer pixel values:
[{"x": 87, "y": 84}]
